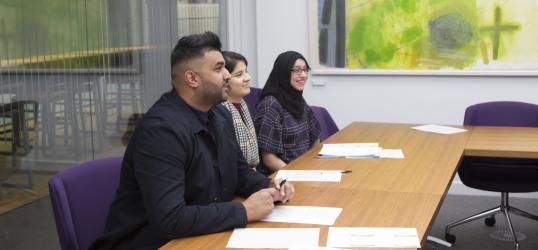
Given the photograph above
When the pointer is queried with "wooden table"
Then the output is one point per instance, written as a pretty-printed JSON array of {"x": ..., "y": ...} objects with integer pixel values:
[
  {"x": 361, "y": 208},
  {"x": 518, "y": 142},
  {"x": 389, "y": 192},
  {"x": 428, "y": 168}
]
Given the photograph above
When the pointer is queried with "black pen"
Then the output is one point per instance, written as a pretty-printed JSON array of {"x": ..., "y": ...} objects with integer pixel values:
[
  {"x": 345, "y": 171},
  {"x": 282, "y": 182}
]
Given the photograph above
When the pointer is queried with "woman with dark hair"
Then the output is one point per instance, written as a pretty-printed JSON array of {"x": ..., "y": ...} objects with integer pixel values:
[
  {"x": 286, "y": 125},
  {"x": 239, "y": 87}
]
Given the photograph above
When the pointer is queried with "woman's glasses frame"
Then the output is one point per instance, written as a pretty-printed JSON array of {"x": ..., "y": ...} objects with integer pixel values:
[{"x": 298, "y": 71}]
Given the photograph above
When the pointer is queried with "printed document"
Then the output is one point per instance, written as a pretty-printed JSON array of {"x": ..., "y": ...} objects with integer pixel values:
[
  {"x": 274, "y": 238},
  {"x": 373, "y": 237}
]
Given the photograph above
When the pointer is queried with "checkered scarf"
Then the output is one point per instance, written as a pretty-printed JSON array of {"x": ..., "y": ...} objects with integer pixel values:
[{"x": 244, "y": 132}]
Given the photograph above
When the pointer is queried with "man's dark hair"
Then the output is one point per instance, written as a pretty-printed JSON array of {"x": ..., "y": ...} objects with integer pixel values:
[
  {"x": 193, "y": 46},
  {"x": 232, "y": 58}
]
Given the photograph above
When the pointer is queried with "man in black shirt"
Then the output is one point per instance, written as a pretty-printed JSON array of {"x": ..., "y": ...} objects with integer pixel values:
[{"x": 183, "y": 166}]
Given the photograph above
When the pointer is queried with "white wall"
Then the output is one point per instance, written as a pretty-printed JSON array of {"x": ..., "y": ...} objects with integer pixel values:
[
  {"x": 282, "y": 25},
  {"x": 241, "y": 17}
]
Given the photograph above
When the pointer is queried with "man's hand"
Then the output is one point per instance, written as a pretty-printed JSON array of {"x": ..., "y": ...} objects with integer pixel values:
[
  {"x": 260, "y": 204},
  {"x": 284, "y": 192}
]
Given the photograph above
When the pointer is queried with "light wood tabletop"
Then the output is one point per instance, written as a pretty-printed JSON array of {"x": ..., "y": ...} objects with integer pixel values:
[
  {"x": 360, "y": 209},
  {"x": 518, "y": 142},
  {"x": 378, "y": 192},
  {"x": 428, "y": 167},
  {"x": 389, "y": 192}
]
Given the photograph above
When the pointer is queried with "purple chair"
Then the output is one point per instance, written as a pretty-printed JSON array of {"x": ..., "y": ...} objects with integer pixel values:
[
  {"x": 504, "y": 175},
  {"x": 81, "y": 197},
  {"x": 328, "y": 126},
  {"x": 252, "y": 100}
]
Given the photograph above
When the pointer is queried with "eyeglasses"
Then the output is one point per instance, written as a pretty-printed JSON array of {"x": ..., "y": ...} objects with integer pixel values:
[{"x": 298, "y": 71}]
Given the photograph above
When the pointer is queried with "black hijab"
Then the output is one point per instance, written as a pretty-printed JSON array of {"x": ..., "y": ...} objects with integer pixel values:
[{"x": 278, "y": 84}]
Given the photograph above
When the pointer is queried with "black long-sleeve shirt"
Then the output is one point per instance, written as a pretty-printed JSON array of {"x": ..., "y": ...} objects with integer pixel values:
[{"x": 178, "y": 177}]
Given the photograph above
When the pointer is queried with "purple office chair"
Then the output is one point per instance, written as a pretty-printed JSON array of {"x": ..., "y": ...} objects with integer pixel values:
[
  {"x": 326, "y": 122},
  {"x": 252, "y": 100},
  {"x": 81, "y": 197},
  {"x": 504, "y": 175}
]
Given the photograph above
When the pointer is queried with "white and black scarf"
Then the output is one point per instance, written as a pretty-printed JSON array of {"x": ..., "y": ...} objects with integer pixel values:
[{"x": 245, "y": 132}]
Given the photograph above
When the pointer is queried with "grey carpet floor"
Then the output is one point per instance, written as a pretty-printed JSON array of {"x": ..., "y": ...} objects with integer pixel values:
[
  {"x": 29, "y": 227},
  {"x": 32, "y": 226},
  {"x": 476, "y": 235}
]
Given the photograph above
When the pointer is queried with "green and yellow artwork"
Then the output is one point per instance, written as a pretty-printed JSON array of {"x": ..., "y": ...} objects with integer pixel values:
[{"x": 441, "y": 34}]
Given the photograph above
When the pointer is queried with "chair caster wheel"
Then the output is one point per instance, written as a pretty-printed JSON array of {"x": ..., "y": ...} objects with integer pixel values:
[
  {"x": 450, "y": 238},
  {"x": 490, "y": 221}
]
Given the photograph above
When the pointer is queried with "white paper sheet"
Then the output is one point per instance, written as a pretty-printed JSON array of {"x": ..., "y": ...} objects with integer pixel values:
[
  {"x": 274, "y": 238},
  {"x": 314, "y": 248},
  {"x": 310, "y": 175},
  {"x": 392, "y": 153},
  {"x": 373, "y": 237},
  {"x": 439, "y": 129},
  {"x": 357, "y": 150},
  {"x": 304, "y": 214}
]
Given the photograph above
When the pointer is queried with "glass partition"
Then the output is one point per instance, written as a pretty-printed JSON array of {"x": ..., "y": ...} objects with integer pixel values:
[{"x": 76, "y": 76}]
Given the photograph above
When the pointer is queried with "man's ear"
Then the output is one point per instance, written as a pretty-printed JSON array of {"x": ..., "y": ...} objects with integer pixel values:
[{"x": 192, "y": 79}]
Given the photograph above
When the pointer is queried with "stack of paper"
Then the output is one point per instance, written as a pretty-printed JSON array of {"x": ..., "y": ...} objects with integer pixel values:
[
  {"x": 392, "y": 153},
  {"x": 373, "y": 237},
  {"x": 352, "y": 150}
]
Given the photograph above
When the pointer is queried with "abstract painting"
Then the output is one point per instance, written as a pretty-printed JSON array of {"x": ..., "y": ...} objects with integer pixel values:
[{"x": 432, "y": 35}]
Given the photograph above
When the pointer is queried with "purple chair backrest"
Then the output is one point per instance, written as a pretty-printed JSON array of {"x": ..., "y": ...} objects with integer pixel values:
[
  {"x": 252, "y": 100},
  {"x": 81, "y": 197},
  {"x": 328, "y": 126},
  {"x": 502, "y": 113}
]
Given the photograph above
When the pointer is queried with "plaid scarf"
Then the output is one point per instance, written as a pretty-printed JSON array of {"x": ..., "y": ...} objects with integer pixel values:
[{"x": 244, "y": 132}]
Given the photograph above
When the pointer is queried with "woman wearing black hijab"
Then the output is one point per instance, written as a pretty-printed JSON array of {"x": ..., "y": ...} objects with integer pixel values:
[{"x": 285, "y": 124}]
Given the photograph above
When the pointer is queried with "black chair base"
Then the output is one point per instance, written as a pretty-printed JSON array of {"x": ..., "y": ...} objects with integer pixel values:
[{"x": 489, "y": 214}]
